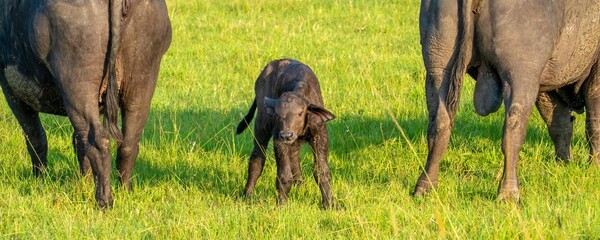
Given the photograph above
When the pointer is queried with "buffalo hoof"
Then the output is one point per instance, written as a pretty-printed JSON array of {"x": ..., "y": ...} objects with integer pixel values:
[
  {"x": 423, "y": 187},
  {"x": 248, "y": 198},
  {"x": 105, "y": 204},
  {"x": 298, "y": 181},
  {"x": 594, "y": 161},
  {"x": 508, "y": 195},
  {"x": 127, "y": 186},
  {"x": 563, "y": 160},
  {"x": 247, "y": 194},
  {"x": 563, "y": 155},
  {"x": 420, "y": 191},
  {"x": 334, "y": 206},
  {"x": 103, "y": 196},
  {"x": 281, "y": 202}
]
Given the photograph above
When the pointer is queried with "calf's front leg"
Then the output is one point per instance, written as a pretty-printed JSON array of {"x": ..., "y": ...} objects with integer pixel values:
[{"x": 285, "y": 178}]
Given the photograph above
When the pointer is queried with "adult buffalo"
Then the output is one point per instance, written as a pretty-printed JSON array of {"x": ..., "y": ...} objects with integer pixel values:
[
  {"x": 79, "y": 59},
  {"x": 519, "y": 51}
]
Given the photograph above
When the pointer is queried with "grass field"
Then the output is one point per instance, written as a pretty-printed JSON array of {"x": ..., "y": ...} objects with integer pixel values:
[{"x": 192, "y": 168}]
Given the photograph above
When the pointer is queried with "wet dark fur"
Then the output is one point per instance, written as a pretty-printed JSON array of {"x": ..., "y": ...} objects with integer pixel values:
[{"x": 290, "y": 110}]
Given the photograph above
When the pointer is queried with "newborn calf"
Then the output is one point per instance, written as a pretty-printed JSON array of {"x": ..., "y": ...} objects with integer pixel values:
[{"x": 290, "y": 109}]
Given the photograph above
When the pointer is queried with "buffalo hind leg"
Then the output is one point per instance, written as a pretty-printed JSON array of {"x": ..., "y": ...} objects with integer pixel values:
[
  {"x": 134, "y": 112},
  {"x": 80, "y": 96},
  {"x": 592, "y": 127},
  {"x": 84, "y": 162},
  {"x": 592, "y": 119},
  {"x": 140, "y": 59},
  {"x": 558, "y": 118},
  {"x": 134, "y": 121},
  {"x": 522, "y": 93},
  {"x": 438, "y": 131},
  {"x": 35, "y": 136},
  {"x": 95, "y": 140}
]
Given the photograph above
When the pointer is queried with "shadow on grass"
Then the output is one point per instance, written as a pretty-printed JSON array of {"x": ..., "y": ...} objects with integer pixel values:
[{"x": 211, "y": 132}]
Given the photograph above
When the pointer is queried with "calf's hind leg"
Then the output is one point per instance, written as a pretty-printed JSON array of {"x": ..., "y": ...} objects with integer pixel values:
[
  {"x": 262, "y": 135},
  {"x": 321, "y": 172}
]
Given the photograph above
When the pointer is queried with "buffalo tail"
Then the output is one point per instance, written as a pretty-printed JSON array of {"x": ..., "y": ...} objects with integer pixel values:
[
  {"x": 112, "y": 99},
  {"x": 462, "y": 58},
  {"x": 247, "y": 119}
]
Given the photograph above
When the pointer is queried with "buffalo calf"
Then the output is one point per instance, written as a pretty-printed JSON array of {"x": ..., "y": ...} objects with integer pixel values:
[{"x": 290, "y": 109}]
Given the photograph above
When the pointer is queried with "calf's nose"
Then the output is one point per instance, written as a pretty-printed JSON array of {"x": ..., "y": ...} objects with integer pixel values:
[{"x": 286, "y": 135}]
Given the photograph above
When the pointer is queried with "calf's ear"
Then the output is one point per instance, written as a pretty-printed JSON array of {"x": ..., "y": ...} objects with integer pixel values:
[
  {"x": 270, "y": 105},
  {"x": 319, "y": 114}
]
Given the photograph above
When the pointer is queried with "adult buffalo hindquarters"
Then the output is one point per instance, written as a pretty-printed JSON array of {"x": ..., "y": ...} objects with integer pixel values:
[
  {"x": 79, "y": 59},
  {"x": 550, "y": 48}
]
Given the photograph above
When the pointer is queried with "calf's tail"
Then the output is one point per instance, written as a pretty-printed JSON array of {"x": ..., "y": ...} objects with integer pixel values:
[
  {"x": 247, "y": 119},
  {"x": 111, "y": 100},
  {"x": 462, "y": 58}
]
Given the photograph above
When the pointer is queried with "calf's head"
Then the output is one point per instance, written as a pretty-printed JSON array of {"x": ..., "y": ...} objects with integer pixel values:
[{"x": 294, "y": 114}]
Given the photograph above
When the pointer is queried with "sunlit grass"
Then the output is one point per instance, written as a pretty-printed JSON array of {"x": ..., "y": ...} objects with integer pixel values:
[{"x": 192, "y": 168}]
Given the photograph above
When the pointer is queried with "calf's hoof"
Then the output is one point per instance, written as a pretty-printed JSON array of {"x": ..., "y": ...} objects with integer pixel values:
[
  {"x": 562, "y": 160},
  {"x": 594, "y": 161},
  {"x": 563, "y": 156},
  {"x": 281, "y": 202},
  {"x": 38, "y": 171},
  {"x": 127, "y": 187}
]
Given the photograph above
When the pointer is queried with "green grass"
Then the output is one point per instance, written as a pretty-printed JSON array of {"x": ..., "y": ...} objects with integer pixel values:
[{"x": 192, "y": 168}]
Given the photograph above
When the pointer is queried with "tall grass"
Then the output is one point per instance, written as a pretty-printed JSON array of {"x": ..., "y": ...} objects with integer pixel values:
[{"x": 192, "y": 168}]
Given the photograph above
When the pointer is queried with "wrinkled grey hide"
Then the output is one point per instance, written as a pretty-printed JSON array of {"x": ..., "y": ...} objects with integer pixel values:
[
  {"x": 526, "y": 53},
  {"x": 80, "y": 59},
  {"x": 290, "y": 110}
]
